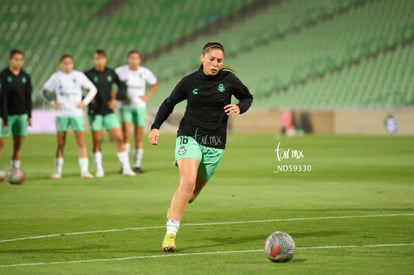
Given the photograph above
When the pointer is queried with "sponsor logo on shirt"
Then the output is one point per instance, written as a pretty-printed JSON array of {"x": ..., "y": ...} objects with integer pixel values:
[
  {"x": 24, "y": 80},
  {"x": 109, "y": 78},
  {"x": 195, "y": 91},
  {"x": 9, "y": 79},
  {"x": 95, "y": 79},
  {"x": 221, "y": 88}
]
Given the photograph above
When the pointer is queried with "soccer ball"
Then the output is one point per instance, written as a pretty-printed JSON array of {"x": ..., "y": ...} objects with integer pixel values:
[
  {"x": 279, "y": 247},
  {"x": 2, "y": 174},
  {"x": 16, "y": 176}
]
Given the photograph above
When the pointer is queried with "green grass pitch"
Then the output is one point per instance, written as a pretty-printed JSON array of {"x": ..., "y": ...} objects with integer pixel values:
[{"x": 352, "y": 213}]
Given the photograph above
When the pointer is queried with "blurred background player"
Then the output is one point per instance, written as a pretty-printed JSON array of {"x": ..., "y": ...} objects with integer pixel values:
[
  {"x": 101, "y": 113},
  {"x": 3, "y": 128},
  {"x": 201, "y": 136},
  {"x": 16, "y": 93},
  {"x": 68, "y": 85},
  {"x": 133, "y": 107},
  {"x": 391, "y": 123}
]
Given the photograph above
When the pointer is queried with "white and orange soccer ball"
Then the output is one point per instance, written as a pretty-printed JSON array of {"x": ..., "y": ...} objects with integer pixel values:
[
  {"x": 279, "y": 247},
  {"x": 16, "y": 176}
]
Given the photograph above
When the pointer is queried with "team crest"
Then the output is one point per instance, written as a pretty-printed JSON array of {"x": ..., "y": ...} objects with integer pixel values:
[
  {"x": 109, "y": 78},
  {"x": 24, "y": 80},
  {"x": 221, "y": 88},
  {"x": 181, "y": 150}
]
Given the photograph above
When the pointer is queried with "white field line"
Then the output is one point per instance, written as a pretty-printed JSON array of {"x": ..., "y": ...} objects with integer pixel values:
[
  {"x": 201, "y": 254},
  {"x": 207, "y": 224}
]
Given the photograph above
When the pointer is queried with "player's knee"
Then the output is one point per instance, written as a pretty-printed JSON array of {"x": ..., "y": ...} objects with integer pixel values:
[
  {"x": 187, "y": 187},
  {"x": 118, "y": 139},
  {"x": 81, "y": 143},
  {"x": 61, "y": 144}
]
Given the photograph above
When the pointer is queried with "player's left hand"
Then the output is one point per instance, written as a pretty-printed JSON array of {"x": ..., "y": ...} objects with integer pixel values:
[
  {"x": 232, "y": 110},
  {"x": 112, "y": 104},
  {"x": 80, "y": 105}
]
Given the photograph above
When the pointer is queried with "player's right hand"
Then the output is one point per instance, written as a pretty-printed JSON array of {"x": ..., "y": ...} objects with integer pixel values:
[{"x": 153, "y": 136}]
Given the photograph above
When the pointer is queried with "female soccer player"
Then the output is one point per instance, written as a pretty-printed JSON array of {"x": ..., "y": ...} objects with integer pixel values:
[
  {"x": 201, "y": 136},
  {"x": 68, "y": 84},
  {"x": 101, "y": 113},
  {"x": 133, "y": 108},
  {"x": 16, "y": 95}
]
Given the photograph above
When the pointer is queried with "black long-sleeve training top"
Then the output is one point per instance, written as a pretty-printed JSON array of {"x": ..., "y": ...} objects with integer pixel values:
[
  {"x": 103, "y": 82},
  {"x": 204, "y": 118},
  {"x": 16, "y": 93}
]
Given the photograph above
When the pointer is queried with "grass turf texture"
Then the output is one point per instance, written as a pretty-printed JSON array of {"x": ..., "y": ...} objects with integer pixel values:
[{"x": 346, "y": 202}]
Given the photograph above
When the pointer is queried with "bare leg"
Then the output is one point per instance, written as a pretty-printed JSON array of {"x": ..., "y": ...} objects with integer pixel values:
[
  {"x": 80, "y": 141},
  {"x": 117, "y": 137},
  {"x": 122, "y": 153},
  {"x": 200, "y": 183},
  {"x": 138, "y": 133},
  {"x": 2, "y": 142},
  {"x": 126, "y": 130},
  {"x": 83, "y": 155},
  {"x": 185, "y": 192},
  {"x": 97, "y": 140},
  {"x": 139, "y": 147},
  {"x": 61, "y": 140},
  {"x": 17, "y": 147},
  {"x": 17, "y": 152}
]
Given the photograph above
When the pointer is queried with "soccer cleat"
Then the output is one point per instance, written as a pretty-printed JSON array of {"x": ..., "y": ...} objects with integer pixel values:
[
  {"x": 128, "y": 172},
  {"x": 86, "y": 175},
  {"x": 168, "y": 245},
  {"x": 100, "y": 174},
  {"x": 137, "y": 170},
  {"x": 56, "y": 175}
]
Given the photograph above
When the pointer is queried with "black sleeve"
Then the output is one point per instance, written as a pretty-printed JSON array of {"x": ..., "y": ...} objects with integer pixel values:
[
  {"x": 167, "y": 106},
  {"x": 3, "y": 108},
  {"x": 3, "y": 101},
  {"x": 28, "y": 95},
  {"x": 242, "y": 93},
  {"x": 122, "y": 88}
]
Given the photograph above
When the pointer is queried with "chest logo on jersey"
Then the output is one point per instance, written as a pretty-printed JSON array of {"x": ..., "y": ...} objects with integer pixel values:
[
  {"x": 221, "y": 88},
  {"x": 95, "y": 79},
  {"x": 74, "y": 81},
  {"x": 109, "y": 78},
  {"x": 195, "y": 91},
  {"x": 24, "y": 80},
  {"x": 9, "y": 79}
]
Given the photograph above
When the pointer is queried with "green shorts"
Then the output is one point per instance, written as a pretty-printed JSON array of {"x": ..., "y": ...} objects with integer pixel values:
[
  {"x": 77, "y": 123},
  {"x": 188, "y": 147},
  {"x": 17, "y": 126},
  {"x": 136, "y": 116},
  {"x": 99, "y": 122}
]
